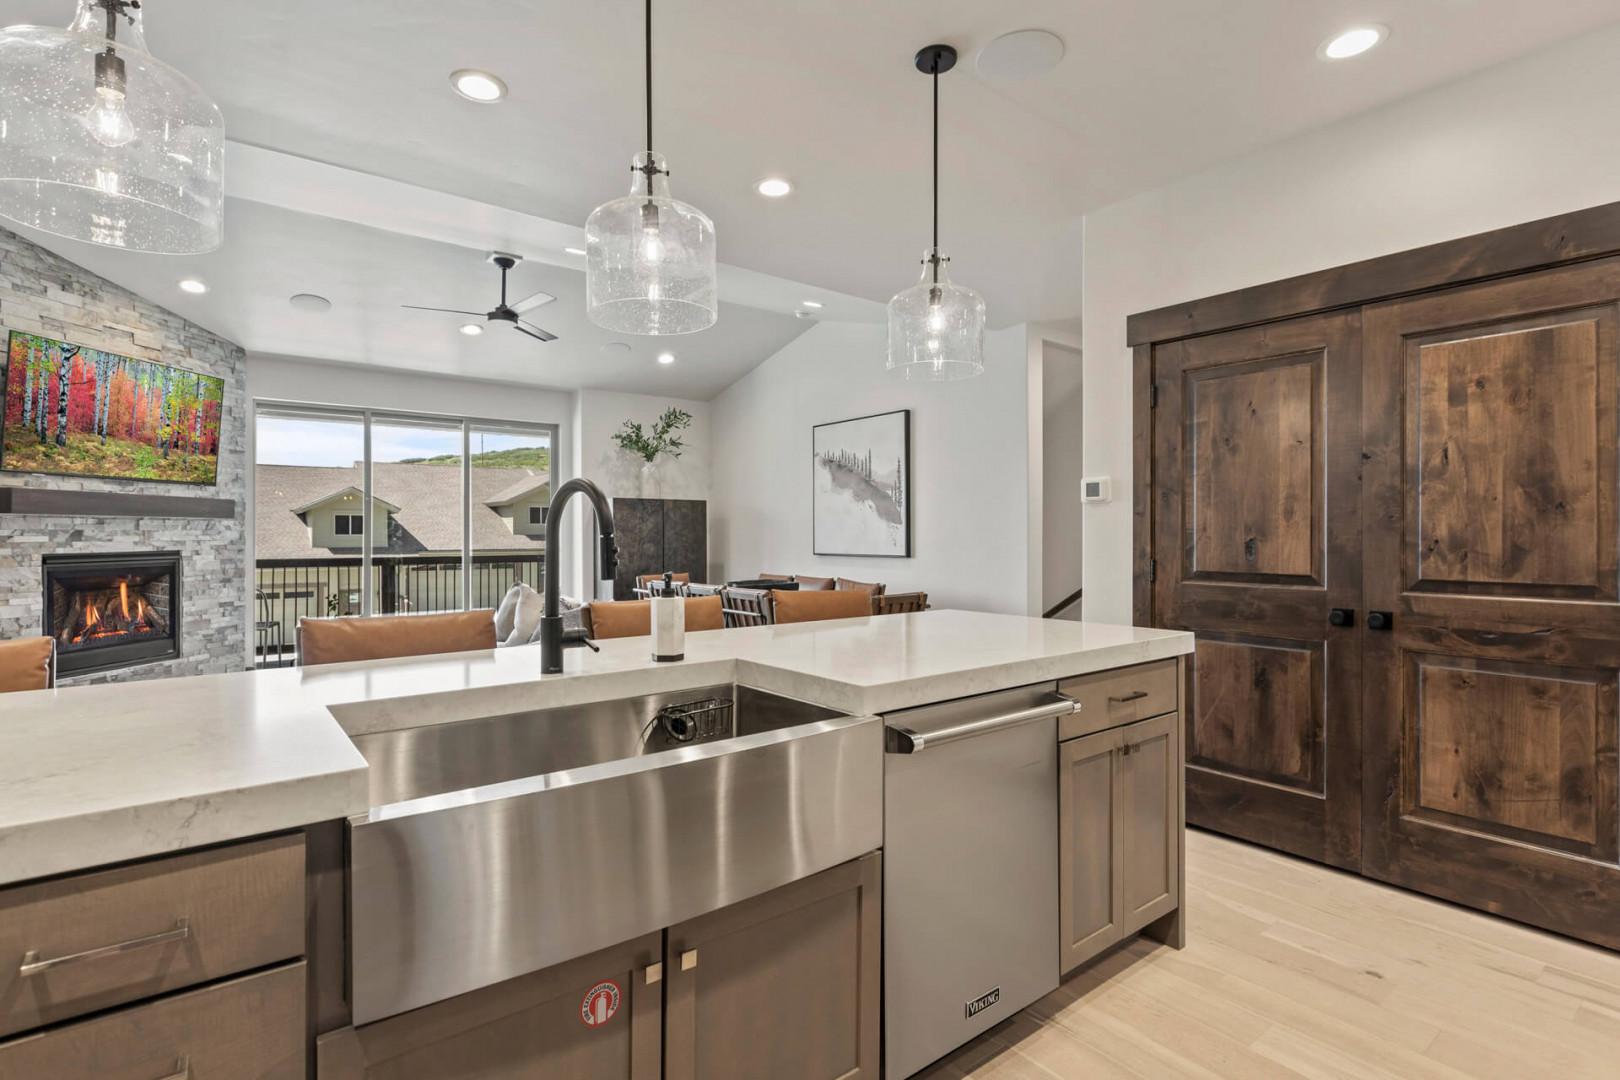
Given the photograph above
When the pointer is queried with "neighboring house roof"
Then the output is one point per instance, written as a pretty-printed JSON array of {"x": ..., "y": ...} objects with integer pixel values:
[
  {"x": 427, "y": 517},
  {"x": 348, "y": 489},
  {"x": 518, "y": 490}
]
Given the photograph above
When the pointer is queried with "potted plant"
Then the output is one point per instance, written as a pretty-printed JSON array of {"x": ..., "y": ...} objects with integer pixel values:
[{"x": 662, "y": 439}]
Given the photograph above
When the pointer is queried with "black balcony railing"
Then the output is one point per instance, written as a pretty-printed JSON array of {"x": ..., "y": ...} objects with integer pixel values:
[{"x": 289, "y": 589}]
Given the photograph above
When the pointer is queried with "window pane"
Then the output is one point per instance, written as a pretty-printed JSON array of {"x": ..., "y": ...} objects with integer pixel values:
[
  {"x": 416, "y": 520},
  {"x": 511, "y": 488},
  {"x": 308, "y": 518}
]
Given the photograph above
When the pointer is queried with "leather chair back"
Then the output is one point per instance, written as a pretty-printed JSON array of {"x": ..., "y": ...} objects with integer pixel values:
[
  {"x": 792, "y": 607},
  {"x": 27, "y": 664},
  {"x": 381, "y": 637},
  {"x": 606, "y": 619}
]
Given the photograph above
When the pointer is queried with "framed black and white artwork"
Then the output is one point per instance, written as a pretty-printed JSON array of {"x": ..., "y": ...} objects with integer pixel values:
[{"x": 862, "y": 489}]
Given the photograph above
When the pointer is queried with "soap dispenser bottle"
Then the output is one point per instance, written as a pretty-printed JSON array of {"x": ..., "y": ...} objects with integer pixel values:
[{"x": 668, "y": 623}]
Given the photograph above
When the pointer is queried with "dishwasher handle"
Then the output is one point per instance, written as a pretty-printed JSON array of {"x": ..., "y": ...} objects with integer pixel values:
[{"x": 898, "y": 739}]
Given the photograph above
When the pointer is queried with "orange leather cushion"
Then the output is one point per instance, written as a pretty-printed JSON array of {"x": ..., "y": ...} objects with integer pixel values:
[
  {"x": 870, "y": 588},
  {"x": 633, "y": 618},
  {"x": 801, "y": 606},
  {"x": 25, "y": 664},
  {"x": 815, "y": 584},
  {"x": 334, "y": 641}
]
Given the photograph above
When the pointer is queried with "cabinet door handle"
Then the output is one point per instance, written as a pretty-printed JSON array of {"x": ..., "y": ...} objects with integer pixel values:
[
  {"x": 688, "y": 959},
  {"x": 33, "y": 965},
  {"x": 1126, "y": 748},
  {"x": 182, "y": 1070},
  {"x": 1136, "y": 695},
  {"x": 655, "y": 973}
]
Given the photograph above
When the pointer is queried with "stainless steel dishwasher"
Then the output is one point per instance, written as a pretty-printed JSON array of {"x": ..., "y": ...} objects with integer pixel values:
[{"x": 970, "y": 868}]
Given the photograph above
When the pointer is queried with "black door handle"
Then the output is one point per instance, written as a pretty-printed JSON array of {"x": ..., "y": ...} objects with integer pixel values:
[
  {"x": 1380, "y": 620},
  {"x": 1342, "y": 616}
]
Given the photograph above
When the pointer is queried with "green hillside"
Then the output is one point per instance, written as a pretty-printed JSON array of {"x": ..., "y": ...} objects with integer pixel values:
[{"x": 521, "y": 457}]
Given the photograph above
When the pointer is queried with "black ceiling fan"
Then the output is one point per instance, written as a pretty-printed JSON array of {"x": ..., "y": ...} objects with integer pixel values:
[{"x": 504, "y": 312}]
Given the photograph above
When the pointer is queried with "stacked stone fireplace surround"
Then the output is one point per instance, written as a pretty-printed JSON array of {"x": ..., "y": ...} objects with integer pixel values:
[{"x": 42, "y": 293}]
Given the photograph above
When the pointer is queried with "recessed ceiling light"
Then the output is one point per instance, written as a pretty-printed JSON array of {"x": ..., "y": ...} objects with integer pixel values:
[
  {"x": 479, "y": 86},
  {"x": 193, "y": 286},
  {"x": 472, "y": 329},
  {"x": 803, "y": 313},
  {"x": 573, "y": 251},
  {"x": 1352, "y": 42},
  {"x": 615, "y": 347},
  {"x": 666, "y": 358},
  {"x": 310, "y": 302},
  {"x": 1020, "y": 55},
  {"x": 812, "y": 304},
  {"x": 773, "y": 187}
]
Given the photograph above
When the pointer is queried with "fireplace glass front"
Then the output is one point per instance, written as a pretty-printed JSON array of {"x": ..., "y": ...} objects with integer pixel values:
[{"x": 112, "y": 611}]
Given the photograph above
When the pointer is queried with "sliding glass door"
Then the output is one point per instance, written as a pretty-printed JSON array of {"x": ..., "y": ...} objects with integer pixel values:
[{"x": 362, "y": 512}]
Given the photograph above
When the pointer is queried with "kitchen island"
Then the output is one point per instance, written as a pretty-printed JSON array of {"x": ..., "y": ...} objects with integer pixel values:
[{"x": 190, "y": 768}]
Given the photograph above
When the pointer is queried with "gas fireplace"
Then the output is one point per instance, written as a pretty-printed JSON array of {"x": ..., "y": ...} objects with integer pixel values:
[{"x": 112, "y": 611}]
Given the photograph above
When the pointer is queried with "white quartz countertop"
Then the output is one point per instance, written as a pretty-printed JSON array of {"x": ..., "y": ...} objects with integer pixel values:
[{"x": 98, "y": 774}]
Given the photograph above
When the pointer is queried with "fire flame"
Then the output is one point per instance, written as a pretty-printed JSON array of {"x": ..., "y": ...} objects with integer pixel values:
[
  {"x": 91, "y": 617},
  {"x": 123, "y": 598}
]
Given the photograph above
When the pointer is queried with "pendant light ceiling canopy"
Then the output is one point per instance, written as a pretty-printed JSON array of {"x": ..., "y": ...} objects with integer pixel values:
[
  {"x": 102, "y": 142},
  {"x": 936, "y": 328},
  {"x": 650, "y": 258}
]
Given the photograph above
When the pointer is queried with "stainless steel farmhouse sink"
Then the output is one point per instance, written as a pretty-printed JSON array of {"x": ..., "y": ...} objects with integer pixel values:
[{"x": 505, "y": 844}]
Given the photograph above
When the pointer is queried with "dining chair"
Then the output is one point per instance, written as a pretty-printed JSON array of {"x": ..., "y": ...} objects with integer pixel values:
[
  {"x": 605, "y": 619},
  {"x": 899, "y": 603},
  {"x": 747, "y": 607},
  {"x": 267, "y": 628}
]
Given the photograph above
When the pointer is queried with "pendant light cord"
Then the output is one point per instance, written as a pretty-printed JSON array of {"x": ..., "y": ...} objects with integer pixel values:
[
  {"x": 649, "y": 83},
  {"x": 936, "y": 168}
]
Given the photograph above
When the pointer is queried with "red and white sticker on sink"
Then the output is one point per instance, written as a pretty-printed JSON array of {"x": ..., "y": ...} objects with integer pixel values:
[{"x": 600, "y": 1003}]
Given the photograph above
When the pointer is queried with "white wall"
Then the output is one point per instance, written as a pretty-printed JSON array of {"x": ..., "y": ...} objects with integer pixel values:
[
  {"x": 1062, "y": 453},
  {"x": 1521, "y": 141},
  {"x": 969, "y": 463}
]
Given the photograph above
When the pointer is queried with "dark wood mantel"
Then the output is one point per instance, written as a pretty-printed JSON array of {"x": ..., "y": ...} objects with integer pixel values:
[{"x": 49, "y": 502}]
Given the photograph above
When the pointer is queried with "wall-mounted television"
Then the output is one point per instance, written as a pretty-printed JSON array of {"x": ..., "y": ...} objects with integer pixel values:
[{"x": 77, "y": 411}]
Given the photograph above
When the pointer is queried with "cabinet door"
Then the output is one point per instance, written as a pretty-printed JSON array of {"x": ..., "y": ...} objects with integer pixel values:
[
  {"x": 1089, "y": 833},
  {"x": 1148, "y": 807},
  {"x": 1493, "y": 514},
  {"x": 595, "y": 1018},
  {"x": 785, "y": 985},
  {"x": 1257, "y": 539}
]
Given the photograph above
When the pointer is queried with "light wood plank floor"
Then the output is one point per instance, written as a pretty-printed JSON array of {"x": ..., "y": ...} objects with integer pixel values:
[{"x": 1295, "y": 970}]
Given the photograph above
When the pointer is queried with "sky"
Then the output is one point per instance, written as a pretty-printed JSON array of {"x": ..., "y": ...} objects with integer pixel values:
[{"x": 285, "y": 441}]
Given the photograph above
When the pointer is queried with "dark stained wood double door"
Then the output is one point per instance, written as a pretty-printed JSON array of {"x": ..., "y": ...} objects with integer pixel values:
[{"x": 1446, "y": 467}]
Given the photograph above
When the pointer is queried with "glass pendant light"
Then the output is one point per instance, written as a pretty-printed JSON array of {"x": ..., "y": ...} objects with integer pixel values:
[
  {"x": 936, "y": 329},
  {"x": 100, "y": 141},
  {"x": 650, "y": 263}
]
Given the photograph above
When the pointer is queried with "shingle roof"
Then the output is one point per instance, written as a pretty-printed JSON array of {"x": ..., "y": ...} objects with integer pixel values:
[
  {"x": 516, "y": 490},
  {"x": 428, "y": 497}
]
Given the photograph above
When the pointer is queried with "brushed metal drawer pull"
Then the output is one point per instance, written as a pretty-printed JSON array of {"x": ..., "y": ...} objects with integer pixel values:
[
  {"x": 688, "y": 959},
  {"x": 1136, "y": 696},
  {"x": 33, "y": 965},
  {"x": 655, "y": 973},
  {"x": 182, "y": 1070}
]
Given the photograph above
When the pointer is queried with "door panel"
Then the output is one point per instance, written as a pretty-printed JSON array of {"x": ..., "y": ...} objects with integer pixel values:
[
  {"x": 1257, "y": 536},
  {"x": 1088, "y": 837},
  {"x": 1149, "y": 848},
  {"x": 1491, "y": 503}
]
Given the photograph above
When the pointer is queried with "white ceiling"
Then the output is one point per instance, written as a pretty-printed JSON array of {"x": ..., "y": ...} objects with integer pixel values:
[
  {"x": 272, "y": 253},
  {"x": 821, "y": 91}
]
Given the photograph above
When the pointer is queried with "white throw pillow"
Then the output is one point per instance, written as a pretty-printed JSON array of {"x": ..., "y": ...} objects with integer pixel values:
[
  {"x": 506, "y": 613},
  {"x": 569, "y": 608},
  {"x": 525, "y": 615}
]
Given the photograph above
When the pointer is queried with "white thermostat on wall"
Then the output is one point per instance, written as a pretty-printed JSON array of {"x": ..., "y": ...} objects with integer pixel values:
[{"x": 1095, "y": 489}]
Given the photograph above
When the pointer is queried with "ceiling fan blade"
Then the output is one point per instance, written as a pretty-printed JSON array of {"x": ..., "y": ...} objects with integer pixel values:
[
  {"x": 533, "y": 331},
  {"x": 446, "y": 310},
  {"x": 529, "y": 303}
]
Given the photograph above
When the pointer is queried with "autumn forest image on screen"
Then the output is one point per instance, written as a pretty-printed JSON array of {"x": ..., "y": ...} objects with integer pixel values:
[{"x": 84, "y": 412}]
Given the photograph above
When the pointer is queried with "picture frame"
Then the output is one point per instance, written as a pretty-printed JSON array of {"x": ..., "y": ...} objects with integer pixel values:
[{"x": 861, "y": 486}]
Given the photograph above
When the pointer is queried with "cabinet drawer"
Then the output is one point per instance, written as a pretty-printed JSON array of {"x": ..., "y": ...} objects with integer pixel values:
[
  {"x": 1121, "y": 696},
  {"x": 252, "y": 1027},
  {"x": 74, "y": 945}
]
